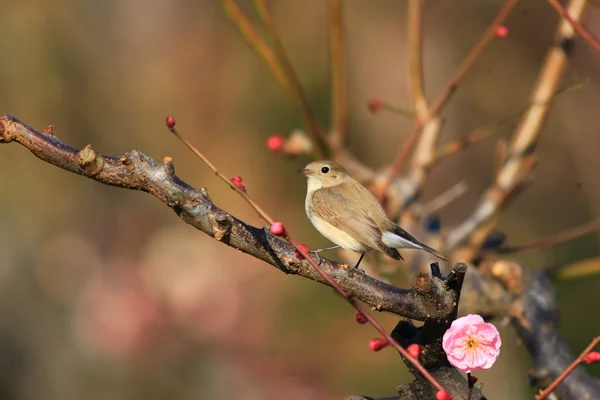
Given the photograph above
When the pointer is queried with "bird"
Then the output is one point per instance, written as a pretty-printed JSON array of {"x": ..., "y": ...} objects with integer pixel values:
[{"x": 347, "y": 213}]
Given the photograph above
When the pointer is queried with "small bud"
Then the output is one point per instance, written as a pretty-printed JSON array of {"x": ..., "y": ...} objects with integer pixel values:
[
  {"x": 378, "y": 344},
  {"x": 49, "y": 130},
  {"x": 277, "y": 229},
  {"x": 275, "y": 142},
  {"x": 433, "y": 224},
  {"x": 304, "y": 248},
  {"x": 414, "y": 350},
  {"x": 361, "y": 319},
  {"x": 170, "y": 121},
  {"x": 592, "y": 357},
  {"x": 238, "y": 182},
  {"x": 375, "y": 105},
  {"x": 442, "y": 395},
  {"x": 501, "y": 32}
]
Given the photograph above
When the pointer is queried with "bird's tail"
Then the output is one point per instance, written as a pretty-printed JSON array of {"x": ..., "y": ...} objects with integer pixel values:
[{"x": 398, "y": 238}]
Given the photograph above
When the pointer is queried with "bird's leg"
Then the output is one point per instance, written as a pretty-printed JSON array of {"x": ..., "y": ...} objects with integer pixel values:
[
  {"x": 326, "y": 248},
  {"x": 359, "y": 260},
  {"x": 317, "y": 251}
]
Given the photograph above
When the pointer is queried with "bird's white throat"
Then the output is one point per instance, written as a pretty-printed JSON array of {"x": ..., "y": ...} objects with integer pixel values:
[{"x": 313, "y": 184}]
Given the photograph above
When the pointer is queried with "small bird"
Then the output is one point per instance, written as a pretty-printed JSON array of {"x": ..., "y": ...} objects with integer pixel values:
[{"x": 345, "y": 212}]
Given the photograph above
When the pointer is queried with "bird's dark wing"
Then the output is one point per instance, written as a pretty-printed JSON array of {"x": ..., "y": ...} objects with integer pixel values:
[{"x": 343, "y": 206}]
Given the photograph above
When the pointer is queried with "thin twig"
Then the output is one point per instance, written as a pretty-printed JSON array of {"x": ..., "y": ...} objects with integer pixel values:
[
  {"x": 554, "y": 239},
  {"x": 205, "y": 160},
  {"x": 397, "y": 108},
  {"x": 256, "y": 43},
  {"x": 580, "y": 29},
  {"x": 312, "y": 126},
  {"x": 443, "y": 98},
  {"x": 546, "y": 392},
  {"x": 444, "y": 198},
  {"x": 339, "y": 75},
  {"x": 415, "y": 58},
  {"x": 306, "y": 254}
]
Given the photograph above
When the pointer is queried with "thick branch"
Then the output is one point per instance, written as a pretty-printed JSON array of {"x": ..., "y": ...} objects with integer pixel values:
[
  {"x": 538, "y": 327},
  {"x": 136, "y": 171}
]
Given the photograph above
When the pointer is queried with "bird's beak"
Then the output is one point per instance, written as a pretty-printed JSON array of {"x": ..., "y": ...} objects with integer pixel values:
[{"x": 304, "y": 171}]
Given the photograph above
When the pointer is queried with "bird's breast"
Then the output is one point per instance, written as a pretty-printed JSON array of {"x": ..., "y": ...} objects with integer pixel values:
[{"x": 333, "y": 233}]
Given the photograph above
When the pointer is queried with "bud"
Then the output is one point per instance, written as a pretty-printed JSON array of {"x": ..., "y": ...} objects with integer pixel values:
[
  {"x": 304, "y": 248},
  {"x": 375, "y": 105},
  {"x": 442, "y": 395},
  {"x": 501, "y": 32},
  {"x": 238, "y": 182},
  {"x": 275, "y": 142},
  {"x": 170, "y": 121},
  {"x": 277, "y": 229},
  {"x": 414, "y": 350},
  {"x": 361, "y": 319},
  {"x": 592, "y": 357},
  {"x": 378, "y": 344}
]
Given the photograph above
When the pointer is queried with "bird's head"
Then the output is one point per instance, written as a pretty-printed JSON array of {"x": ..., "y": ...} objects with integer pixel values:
[{"x": 324, "y": 173}]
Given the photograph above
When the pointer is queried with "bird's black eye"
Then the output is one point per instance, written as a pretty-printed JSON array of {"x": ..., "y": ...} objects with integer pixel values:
[{"x": 325, "y": 170}]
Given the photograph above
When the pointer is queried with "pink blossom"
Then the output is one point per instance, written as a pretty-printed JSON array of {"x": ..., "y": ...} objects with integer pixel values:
[{"x": 471, "y": 344}]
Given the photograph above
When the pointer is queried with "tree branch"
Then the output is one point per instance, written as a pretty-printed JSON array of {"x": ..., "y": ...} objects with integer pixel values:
[
  {"x": 136, "y": 171},
  {"x": 538, "y": 327}
]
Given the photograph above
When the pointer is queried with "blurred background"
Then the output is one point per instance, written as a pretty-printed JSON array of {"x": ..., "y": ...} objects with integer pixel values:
[{"x": 105, "y": 293}]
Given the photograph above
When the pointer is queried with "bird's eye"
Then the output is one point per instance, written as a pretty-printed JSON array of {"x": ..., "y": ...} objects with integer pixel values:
[{"x": 325, "y": 170}]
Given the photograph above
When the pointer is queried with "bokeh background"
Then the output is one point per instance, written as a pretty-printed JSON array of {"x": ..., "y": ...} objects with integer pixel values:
[{"x": 105, "y": 293}]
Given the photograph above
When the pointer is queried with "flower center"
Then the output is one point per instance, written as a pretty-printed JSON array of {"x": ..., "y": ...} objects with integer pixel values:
[{"x": 472, "y": 343}]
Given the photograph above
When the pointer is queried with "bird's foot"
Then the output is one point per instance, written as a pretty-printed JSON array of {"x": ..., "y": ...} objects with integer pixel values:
[{"x": 317, "y": 251}]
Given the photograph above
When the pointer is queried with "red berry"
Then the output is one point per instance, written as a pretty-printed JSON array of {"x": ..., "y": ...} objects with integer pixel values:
[
  {"x": 304, "y": 248},
  {"x": 375, "y": 105},
  {"x": 414, "y": 350},
  {"x": 378, "y": 344},
  {"x": 361, "y": 319},
  {"x": 275, "y": 142},
  {"x": 442, "y": 395},
  {"x": 592, "y": 357},
  {"x": 501, "y": 32},
  {"x": 277, "y": 229},
  {"x": 170, "y": 121},
  {"x": 238, "y": 182}
]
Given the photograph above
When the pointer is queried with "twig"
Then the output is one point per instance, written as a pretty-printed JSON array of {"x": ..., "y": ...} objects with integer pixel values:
[
  {"x": 445, "y": 198},
  {"x": 520, "y": 160},
  {"x": 339, "y": 76},
  {"x": 312, "y": 126},
  {"x": 415, "y": 58},
  {"x": 392, "y": 107},
  {"x": 280, "y": 70},
  {"x": 257, "y": 44},
  {"x": 554, "y": 239},
  {"x": 443, "y": 98},
  {"x": 580, "y": 29},
  {"x": 546, "y": 392},
  {"x": 205, "y": 160}
]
